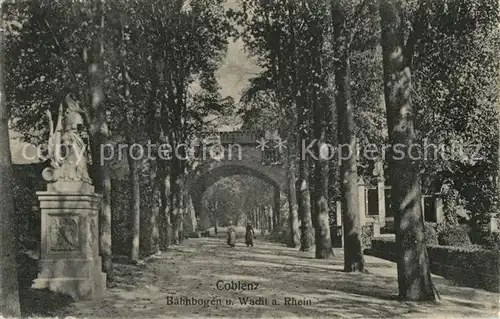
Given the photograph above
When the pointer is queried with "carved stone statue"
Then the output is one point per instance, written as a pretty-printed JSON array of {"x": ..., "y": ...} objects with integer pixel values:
[
  {"x": 66, "y": 148},
  {"x": 69, "y": 257},
  {"x": 378, "y": 170}
]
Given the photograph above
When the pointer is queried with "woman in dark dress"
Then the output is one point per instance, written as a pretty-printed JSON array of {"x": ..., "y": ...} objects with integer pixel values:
[{"x": 249, "y": 235}]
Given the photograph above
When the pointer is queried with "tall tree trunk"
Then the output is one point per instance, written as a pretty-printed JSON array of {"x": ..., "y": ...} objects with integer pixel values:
[
  {"x": 135, "y": 201},
  {"x": 190, "y": 216},
  {"x": 163, "y": 180},
  {"x": 216, "y": 221},
  {"x": 153, "y": 221},
  {"x": 304, "y": 203},
  {"x": 498, "y": 145},
  {"x": 135, "y": 205},
  {"x": 353, "y": 253},
  {"x": 321, "y": 114},
  {"x": 278, "y": 69},
  {"x": 153, "y": 131},
  {"x": 302, "y": 186},
  {"x": 276, "y": 208},
  {"x": 99, "y": 135},
  {"x": 9, "y": 290},
  {"x": 176, "y": 199},
  {"x": 498, "y": 155},
  {"x": 303, "y": 190},
  {"x": 263, "y": 220},
  {"x": 164, "y": 164},
  {"x": 312, "y": 189},
  {"x": 294, "y": 239},
  {"x": 254, "y": 219},
  {"x": 216, "y": 226},
  {"x": 183, "y": 211},
  {"x": 414, "y": 278},
  {"x": 177, "y": 165},
  {"x": 270, "y": 219},
  {"x": 291, "y": 157},
  {"x": 322, "y": 225},
  {"x": 102, "y": 182}
]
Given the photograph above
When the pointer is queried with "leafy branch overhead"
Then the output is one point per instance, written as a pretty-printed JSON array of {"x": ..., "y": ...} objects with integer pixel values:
[{"x": 161, "y": 65}]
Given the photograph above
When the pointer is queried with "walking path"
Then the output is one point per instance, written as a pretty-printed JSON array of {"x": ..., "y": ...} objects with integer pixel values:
[{"x": 193, "y": 269}]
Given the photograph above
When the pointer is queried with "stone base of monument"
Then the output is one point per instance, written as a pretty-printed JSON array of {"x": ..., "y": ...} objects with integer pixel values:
[
  {"x": 80, "y": 279},
  {"x": 70, "y": 261}
]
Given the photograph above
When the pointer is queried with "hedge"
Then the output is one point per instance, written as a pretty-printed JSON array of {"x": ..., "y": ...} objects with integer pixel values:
[
  {"x": 471, "y": 267},
  {"x": 454, "y": 236},
  {"x": 384, "y": 247},
  {"x": 491, "y": 241}
]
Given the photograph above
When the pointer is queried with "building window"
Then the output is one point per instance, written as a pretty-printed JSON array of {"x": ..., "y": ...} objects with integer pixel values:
[
  {"x": 429, "y": 208},
  {"x": 388, "y": 210},
  {"x": 372, "y": 201}
]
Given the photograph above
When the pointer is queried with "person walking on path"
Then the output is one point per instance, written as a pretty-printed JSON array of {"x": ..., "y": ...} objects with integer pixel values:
[
  {"x": 249, "y": 235},
  {"x": 231, "y": 235}
]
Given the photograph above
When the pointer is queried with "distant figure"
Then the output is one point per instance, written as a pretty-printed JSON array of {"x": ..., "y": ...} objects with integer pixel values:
[
  {"x": 249, "y": 235},
  {"x": 231, "y": 235}
]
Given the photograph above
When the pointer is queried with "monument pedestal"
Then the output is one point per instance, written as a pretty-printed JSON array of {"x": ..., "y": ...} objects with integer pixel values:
[{"x": 70, "y": 261}]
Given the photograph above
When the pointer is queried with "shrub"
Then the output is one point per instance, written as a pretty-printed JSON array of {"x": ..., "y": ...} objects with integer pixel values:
[
  {"x": 454, "y": 236},
  {"x": 278, "y": 235},
  {"x": 431, "y": 235},
  {"x": 205, "y": 233},
  {"x": 388, "y": 228},
  {"x": 366, "y": 236},
  {"x": 27, "y": 181},
  {"x": 336, "y": 236},
  {"x": 120, "y": 224},
  {"x": 192, "y": 234},
  {"x": 28, "y": 219},
  {"x": 491, "y": 241}
]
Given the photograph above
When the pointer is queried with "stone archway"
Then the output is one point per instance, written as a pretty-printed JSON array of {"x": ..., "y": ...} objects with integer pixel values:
[{"x": 205, "y": 176}]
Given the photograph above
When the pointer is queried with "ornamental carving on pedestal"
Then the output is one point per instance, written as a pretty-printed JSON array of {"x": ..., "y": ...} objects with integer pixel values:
[{"x": 63, "y": 234}]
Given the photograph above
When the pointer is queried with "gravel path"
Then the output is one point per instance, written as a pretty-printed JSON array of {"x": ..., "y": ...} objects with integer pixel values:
[{"x": 319, "y": 287}]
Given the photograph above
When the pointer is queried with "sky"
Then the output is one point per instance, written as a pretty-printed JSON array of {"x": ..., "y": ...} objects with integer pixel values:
[
  {"x": 236, "y": 70},
  {"x": 234, "y": 74}
]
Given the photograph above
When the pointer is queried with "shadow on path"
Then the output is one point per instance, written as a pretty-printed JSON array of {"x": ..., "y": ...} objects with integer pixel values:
[
  {"x": 313, "y": 288},
  {"x": 37, "y": 302}
]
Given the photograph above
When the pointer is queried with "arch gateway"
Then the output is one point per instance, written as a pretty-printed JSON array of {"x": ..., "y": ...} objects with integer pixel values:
[{"x": 225, "y": 154}]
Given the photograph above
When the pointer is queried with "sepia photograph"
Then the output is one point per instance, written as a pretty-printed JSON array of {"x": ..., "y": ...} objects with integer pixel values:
[{"x": 250, "y": 159}]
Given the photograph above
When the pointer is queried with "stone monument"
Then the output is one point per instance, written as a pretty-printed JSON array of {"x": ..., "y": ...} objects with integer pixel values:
[
  {"x": 70, "y": 261},
  {"x": 378, "y": 172}
]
